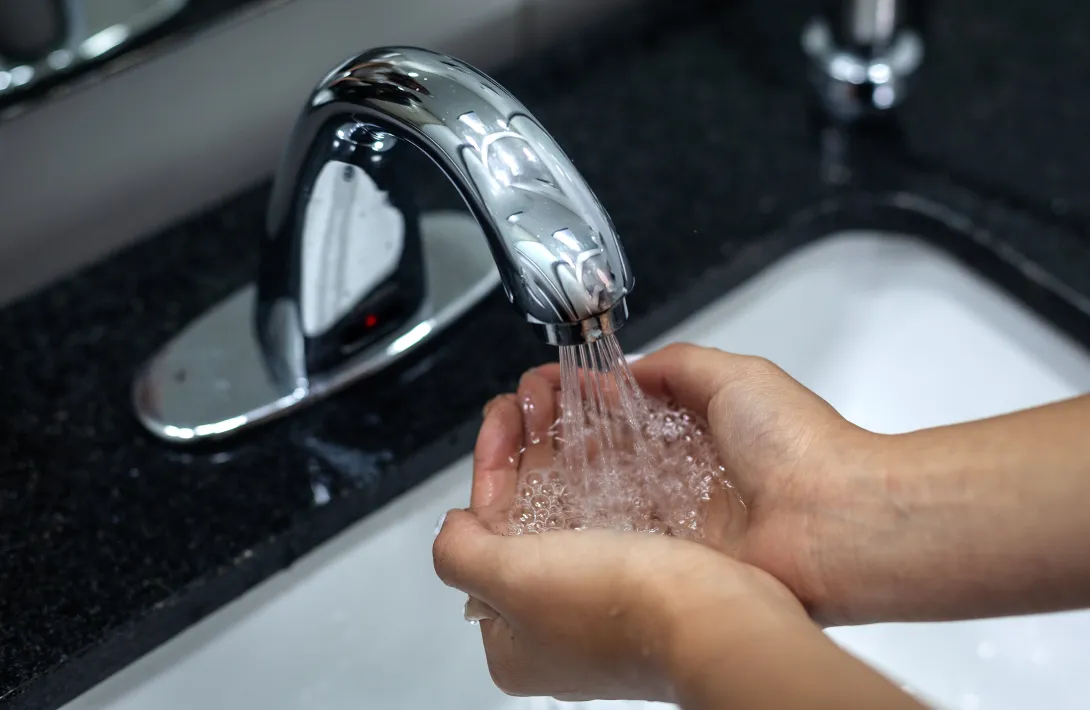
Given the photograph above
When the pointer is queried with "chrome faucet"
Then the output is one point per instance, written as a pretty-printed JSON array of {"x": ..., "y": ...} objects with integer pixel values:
[
  {"x": 863, "y": 54},
  {"x": 352, "y": 275}
]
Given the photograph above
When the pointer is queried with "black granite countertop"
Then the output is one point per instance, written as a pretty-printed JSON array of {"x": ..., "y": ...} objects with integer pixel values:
[{"x": 701, "y": 146}]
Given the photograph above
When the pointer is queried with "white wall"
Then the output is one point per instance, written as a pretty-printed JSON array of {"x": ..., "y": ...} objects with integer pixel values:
[{"x": 92, "y": 171}]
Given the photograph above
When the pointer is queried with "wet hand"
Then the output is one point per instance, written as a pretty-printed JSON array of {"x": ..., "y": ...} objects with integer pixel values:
[
  {"x": 812, "y": 481},
  {"x": 589, "y": 614}
]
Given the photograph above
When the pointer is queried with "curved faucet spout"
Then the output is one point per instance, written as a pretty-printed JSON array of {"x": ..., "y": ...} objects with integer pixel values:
[
  {"x": 558, "y": 255},
  {"x": 353, "y": 276}
]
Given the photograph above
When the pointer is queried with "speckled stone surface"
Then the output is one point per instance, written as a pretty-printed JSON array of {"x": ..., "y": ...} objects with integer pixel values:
[{"x": 695, "y": 136}]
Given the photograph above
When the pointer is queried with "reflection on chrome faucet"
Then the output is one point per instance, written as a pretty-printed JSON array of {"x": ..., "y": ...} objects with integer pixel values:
[
  {"x": 559, "y": 258},
  {"x": 353, "y": 276}
]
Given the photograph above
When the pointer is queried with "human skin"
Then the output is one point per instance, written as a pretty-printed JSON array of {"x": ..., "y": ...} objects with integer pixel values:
[
  {"x": 603, "y": 614},
  {"x": 979, "y": 519},
  {"x": 972, "y": 520}
]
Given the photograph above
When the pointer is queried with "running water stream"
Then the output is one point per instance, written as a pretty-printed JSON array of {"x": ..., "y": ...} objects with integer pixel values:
[{"x": 621, "y": 459}]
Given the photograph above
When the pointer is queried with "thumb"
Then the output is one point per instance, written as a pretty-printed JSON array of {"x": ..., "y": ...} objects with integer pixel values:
[
  {"x": 465, "y": 554},
  {"x": 689, "y": 375}
]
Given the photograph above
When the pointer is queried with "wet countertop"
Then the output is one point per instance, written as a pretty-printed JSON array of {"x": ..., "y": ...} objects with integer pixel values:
[{"x": 692, "y": 127}]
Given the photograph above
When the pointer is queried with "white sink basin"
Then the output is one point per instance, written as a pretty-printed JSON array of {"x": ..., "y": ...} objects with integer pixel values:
[{"x": 892, "y": 332}]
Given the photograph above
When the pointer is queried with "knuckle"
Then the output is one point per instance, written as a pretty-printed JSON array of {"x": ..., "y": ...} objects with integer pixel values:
[
  {"x": 445, "y": 559},
  {"x": 680, "y": 350},
  {"x": 760, "y": 367}
]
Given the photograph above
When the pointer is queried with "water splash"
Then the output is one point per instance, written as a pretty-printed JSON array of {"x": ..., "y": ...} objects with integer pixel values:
[{"x": 621, "y": 460}]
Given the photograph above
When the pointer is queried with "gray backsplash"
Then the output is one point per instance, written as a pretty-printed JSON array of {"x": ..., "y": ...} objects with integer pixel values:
[{"x": 88, "y": 172}]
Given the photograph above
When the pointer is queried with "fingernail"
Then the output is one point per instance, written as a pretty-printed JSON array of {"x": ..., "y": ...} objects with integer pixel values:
[
  {"x": 439, "y": 524},
  {"x": 633, "y": 357}
]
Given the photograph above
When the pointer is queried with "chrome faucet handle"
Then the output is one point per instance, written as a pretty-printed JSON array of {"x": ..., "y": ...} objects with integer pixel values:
[
  {"x": 863, "y": 54},
  {"x": 353, "y": 276}
]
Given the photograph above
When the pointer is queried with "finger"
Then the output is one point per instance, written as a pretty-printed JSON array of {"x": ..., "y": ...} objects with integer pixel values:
[
  {"x": 496, "y": 455},
  {"x": 537, "y": 399},
  {"x": 466, "y": 555},
  {"x": 685, "y": 374},
  {"x": 550, "y": 372}
]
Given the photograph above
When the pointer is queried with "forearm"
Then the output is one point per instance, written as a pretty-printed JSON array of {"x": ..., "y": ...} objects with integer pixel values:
[
  {"x": 985, "y": 518},
  {"x": 774, "y": 663}
]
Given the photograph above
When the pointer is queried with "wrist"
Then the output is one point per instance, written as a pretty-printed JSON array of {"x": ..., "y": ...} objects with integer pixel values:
[
  {"x": 717, "y": 654},
  {"x": 759, "y": 651},
  {"x": 891, "y": 507},
  {"x": 706, "y": 610},
  {"x": 840, "y": 519}
]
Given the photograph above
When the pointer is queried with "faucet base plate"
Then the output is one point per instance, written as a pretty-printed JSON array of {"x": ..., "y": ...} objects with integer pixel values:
[{"x": 212, "y": 381}]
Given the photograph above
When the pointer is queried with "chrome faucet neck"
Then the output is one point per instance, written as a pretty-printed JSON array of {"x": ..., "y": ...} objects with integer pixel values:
[{"x": 559, "y": 258}]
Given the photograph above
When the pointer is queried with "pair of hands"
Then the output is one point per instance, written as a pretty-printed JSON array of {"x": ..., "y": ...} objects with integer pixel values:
[{"x": 602, "y": 614}]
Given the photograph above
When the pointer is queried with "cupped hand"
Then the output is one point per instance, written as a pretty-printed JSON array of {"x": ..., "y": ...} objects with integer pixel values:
[
  {"x": 592, "y": 614},
  {"x": 812, "y": 482}
]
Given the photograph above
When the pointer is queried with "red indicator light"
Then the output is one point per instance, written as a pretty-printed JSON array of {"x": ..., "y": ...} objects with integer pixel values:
[{"x": 370, "y": 320}]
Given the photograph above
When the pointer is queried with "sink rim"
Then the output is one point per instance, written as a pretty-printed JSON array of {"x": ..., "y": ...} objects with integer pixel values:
[
  {"x": 983, "y": 252},
  {"x": 376, "y": 521}
]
